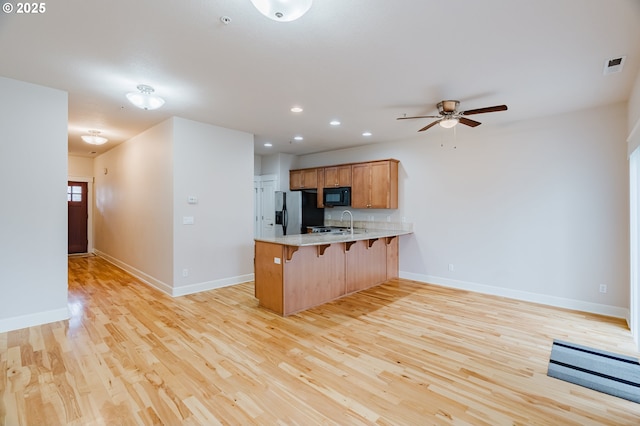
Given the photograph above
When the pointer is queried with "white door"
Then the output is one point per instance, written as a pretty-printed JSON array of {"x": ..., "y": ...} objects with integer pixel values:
[
  {"x": 634, "y": 202},
  {"x": 257, "y": 207},
  {"x": 268, "y": 217}
]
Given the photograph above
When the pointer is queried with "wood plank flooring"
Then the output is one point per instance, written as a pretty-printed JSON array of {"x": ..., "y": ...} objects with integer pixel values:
[{"x": 402, "y": 353}]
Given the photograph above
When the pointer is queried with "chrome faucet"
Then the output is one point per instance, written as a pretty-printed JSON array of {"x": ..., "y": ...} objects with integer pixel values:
[{"x": 351, "y": 216}]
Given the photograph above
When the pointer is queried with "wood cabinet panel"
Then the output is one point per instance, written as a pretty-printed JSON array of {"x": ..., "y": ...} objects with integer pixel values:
[
  {"x": 360, "y": 185},
  {"x": 337, "y": 176},
  {"x": 393, "y": 264},
  {"x": 366, "y": 264},
  {"x": 315, "y": 275},
  {"x": 375, "y": 185},
  {"x": 270, "y": 275},
  {"x": 303, "y": 179}
]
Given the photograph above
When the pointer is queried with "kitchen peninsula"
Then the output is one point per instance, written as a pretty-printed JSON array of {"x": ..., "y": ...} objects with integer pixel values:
[{"x": 297, "y": 272}]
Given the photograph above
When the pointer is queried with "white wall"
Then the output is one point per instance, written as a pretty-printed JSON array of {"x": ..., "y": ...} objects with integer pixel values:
[
  {"x": 279, "y": 165},
  {"x": 536, "y": 210},
  {"x": 214, "y": 165},
  {"x": 134, "y": 205},
  {"x": 634, "y": 116},
  {"x": 257, "y": 165},
  {"x": 33, "y": 225}
]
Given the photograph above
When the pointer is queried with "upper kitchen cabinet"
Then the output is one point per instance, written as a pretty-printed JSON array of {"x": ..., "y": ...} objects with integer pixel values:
[
  {"x": 303, "y": 179},
  {"x": 374, "y": 185},
  {"x": 337, "y": 176}
]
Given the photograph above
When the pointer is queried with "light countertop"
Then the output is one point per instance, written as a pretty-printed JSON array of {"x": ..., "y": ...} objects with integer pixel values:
[{"x": 316, "y": 239}]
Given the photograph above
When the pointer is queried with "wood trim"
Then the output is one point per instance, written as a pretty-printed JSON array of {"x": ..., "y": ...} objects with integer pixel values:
[
  {"x": 321, "y": 249},
  {"x": 289, "y": 251}
]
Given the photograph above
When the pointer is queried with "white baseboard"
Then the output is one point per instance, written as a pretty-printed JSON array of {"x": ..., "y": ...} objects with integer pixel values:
[
  {"x": 145, "y": 278},
  {"x": 210, "y": 285},
  {"x": 175, "y": 291},
  {"x": 559, "y": 302},
  {"x": 31, "y": 320}
]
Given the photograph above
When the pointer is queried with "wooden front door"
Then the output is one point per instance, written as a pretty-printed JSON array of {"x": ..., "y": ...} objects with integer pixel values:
[{"x": 77, "y": 217}]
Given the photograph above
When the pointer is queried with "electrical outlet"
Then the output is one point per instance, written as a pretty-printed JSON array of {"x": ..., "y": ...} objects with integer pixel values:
[
  {"x": 185, "y": 272},
  {"x": 451, "y": 267},
  {"x": 603, "y": 288},
  {"x": 388, "y": 218}
]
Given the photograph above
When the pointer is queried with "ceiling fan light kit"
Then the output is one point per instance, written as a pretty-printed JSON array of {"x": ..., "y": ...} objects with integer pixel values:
[
  {"x": 144, "y": 98},
  {"x": 449, "y": 122},
  {"x": 449, "y": 116},
  {"x": 93, "y": 138},
  {"x": 282, "y": 10}
]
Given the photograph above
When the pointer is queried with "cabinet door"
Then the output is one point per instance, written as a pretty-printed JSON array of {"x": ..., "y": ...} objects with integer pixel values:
[
  {"x": 360, "y": 185},
  {"x": 310, "y": 178},
  {"x": 380, "y": 182},
  {"x": 337, "y": 176},
  {"x": 295, "y": 179},
  {"x": 330, "y": 177},
  {"x": 344, "y": 176}
]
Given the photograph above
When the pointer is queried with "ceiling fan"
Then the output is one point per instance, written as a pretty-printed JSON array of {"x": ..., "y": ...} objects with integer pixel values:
[{"x": 450, "y": 116}]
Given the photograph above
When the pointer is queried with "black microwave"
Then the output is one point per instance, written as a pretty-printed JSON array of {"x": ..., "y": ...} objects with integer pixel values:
[{"x": 337, "y": 197}]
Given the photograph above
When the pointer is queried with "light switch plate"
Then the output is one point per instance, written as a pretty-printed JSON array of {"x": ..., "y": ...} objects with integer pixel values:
[{"x": 188, "y": 220}]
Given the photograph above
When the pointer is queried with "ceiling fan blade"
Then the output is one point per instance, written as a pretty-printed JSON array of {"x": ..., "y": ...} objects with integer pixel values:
[
  {"x": 428, "y": 126},
  {"x": 418, "y": 116},
  {"x": 468, "y": 122},
  {"x": 483, "y": 110}
]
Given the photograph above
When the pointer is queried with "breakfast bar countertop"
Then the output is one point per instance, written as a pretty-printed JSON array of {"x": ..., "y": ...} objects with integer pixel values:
[{"x": 316, "y": 239}]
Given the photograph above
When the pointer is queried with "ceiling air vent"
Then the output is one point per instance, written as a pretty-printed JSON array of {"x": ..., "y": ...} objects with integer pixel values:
[{"x": 613, "y": 65}]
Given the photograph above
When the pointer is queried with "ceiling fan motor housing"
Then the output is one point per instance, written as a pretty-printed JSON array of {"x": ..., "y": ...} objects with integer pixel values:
[{"x": 448, "y": 107}]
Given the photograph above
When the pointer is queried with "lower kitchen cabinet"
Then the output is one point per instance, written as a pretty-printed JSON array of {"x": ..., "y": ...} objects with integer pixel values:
[{"x": 290, "y": 279}]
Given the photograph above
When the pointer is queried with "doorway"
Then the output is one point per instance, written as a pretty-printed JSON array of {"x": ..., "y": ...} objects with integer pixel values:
[{"x": 77, "y": 207}]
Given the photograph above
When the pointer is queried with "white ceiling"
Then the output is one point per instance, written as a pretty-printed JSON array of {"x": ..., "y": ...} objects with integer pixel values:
[{"x": 363, "y": 62}]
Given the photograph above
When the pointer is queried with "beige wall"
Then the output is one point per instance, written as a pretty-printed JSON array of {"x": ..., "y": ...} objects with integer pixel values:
[
  {"x": 536, "y": 210},
  {"x": 33, "y": 229},
  {"x": 80, "y": 166},
  {"x": 142, "y": 200},
  {"x": 134, "y": 205}
]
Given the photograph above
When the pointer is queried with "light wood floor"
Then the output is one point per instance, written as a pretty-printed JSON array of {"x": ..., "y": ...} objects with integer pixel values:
[{"x": 403, "y": 353}]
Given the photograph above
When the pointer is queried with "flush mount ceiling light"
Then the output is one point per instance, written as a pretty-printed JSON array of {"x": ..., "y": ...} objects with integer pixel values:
[
  {"x": 282, "y": 10},
  {"x": 296, "y": 109},
  {"x": 93, "y": 138},
  {"x": 449, "y": 122},
  {"x": 144, "y": 98}
]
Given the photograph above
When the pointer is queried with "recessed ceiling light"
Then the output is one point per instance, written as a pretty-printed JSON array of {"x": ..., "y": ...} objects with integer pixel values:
[
  {"x": 296, "y": 109},
  {"x": 334, "y": 122},
  {"x": 366, "y": 134},
  {"x": 268, "y": 144},
  {"x": 298, "y": 138}
]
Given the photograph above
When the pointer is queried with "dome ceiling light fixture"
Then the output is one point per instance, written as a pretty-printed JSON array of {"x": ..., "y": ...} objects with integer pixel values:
[
  {"x": 144, "y": 98},
  {"x": 93, "y": 138},
  {"x": 282, "y": 10}
]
